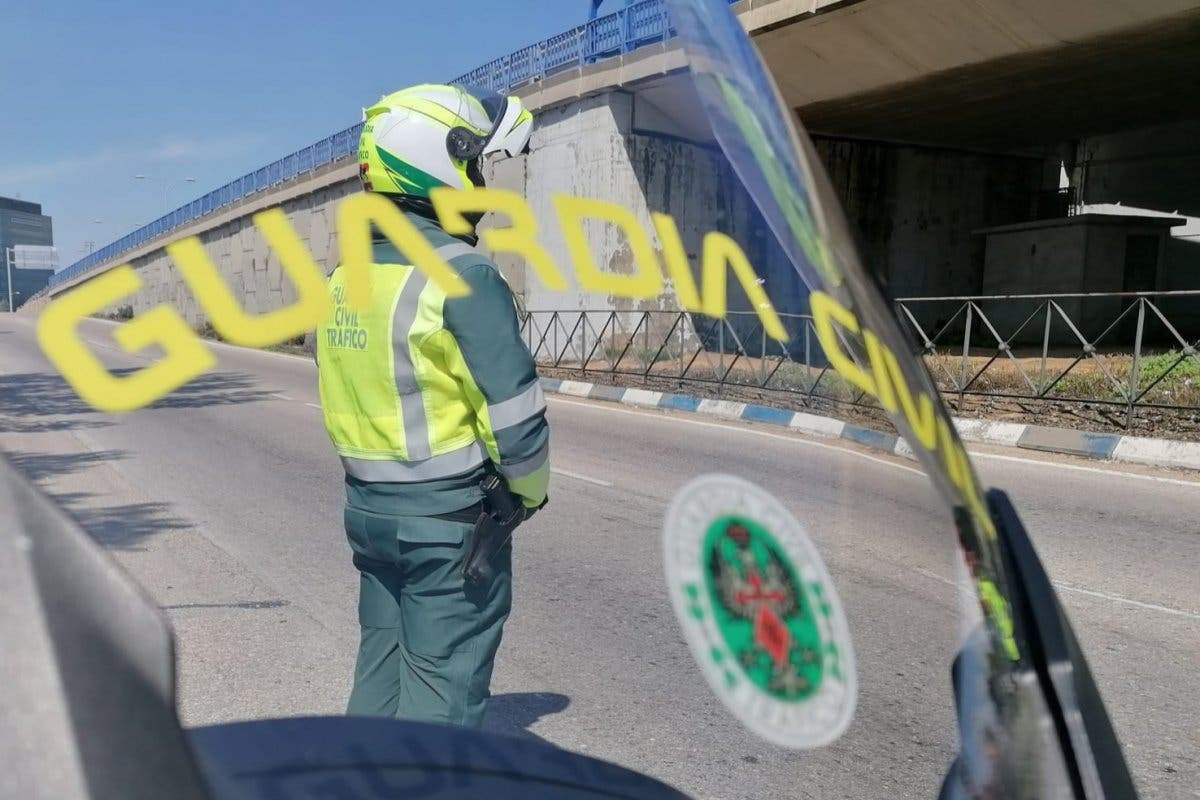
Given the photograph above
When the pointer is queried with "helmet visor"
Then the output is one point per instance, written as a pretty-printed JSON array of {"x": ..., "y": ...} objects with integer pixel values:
[{"x": 506, "y": 123}]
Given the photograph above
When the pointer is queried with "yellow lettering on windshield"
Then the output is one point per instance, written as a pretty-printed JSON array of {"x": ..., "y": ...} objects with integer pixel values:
[
  {"x": 356, "y": 215},
  {"x": 720, "y": 253},
  {"x": 58, "y": 335},
  {"x": 646, "y": 280},
  {"x": 519, "y": 238},
  {"x": 920, "y": 415},
  {"x": 882, "y": 379},
  {"x": 226, "y": 314},
  {"x": 826, "y": 311}
]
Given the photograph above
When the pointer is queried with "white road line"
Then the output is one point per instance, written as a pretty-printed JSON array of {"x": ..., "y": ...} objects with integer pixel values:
[
  {"x": 1066, "y": 587},
  {"x": 578, "y": 477},
  {"x": 242, "y": 349},
  {"x": 974, "y": 453},
  {"x": 1081, "y": 468},
  {"x": 931, "y": 574},
  {"x": 737, "y": 429},
  {"x": 313, "y": 405},
  {"x": 279, "y": 396},
  {"x": 1116, "y": 598}
]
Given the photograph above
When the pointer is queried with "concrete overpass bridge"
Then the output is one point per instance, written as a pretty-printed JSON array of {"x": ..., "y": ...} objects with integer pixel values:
[{"x": 939, "y": 120}]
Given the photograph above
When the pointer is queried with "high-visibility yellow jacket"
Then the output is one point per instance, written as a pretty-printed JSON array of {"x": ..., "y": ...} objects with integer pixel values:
[{"x": 421, "y": 391}]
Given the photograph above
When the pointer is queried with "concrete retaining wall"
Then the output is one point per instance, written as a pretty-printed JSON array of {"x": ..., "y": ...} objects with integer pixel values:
[
  {"x": 588, "y": 148},
  {"x": 915, "y": 209}
]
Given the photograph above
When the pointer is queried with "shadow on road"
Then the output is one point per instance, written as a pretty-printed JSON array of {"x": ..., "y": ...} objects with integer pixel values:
[
  {"x": 119, "y": 527},
  {"x": 37, "y": 402},
  {"x": 514, "y": 713},
  {"x": 39, "y": 466},
  {"x": 216, "y": 389}
]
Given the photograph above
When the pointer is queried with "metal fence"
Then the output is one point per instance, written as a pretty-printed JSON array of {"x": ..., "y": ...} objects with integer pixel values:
[
  {"x": 1122, "y": 348},
  {"x": 1129, "y": 350},
  {"x": 637, "y": 24},
  {"x": 730, "y": 353}
]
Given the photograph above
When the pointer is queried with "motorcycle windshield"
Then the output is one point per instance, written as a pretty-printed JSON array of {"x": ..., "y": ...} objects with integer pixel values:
[
  {"x": 699, "y": 259},
  {"x": 1008, "y": 745},
  {"x": 733, "y": 402}
]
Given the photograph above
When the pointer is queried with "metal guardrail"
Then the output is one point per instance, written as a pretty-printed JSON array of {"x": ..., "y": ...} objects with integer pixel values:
[
  {"x": 1119, "y": 349},
  {"x": 637, "y": 24},
  {"x": 682, "y": 346}
]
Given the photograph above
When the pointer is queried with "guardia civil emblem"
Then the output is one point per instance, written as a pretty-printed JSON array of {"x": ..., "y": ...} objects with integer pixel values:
[{"x": 759, "y": 611}]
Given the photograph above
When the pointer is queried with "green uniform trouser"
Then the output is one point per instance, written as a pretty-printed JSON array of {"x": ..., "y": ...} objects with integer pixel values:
[{"x": 429, "y": 639}]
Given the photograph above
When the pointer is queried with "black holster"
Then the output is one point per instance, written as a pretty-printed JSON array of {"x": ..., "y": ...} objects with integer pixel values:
[{"x": 501, "y": 513}]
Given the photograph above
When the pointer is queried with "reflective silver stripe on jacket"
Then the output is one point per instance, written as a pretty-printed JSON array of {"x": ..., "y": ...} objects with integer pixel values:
[
  {"x": 446, "y": 465},
  {"x": 412, "y": 402},
  {"x": 453, "y": 250},
  {"x": 517, "y": 409},
  {"x": 527, "y": 467}
]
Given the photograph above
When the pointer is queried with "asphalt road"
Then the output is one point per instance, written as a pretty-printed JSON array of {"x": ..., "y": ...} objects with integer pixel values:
[{"x": 224, "y": 501}]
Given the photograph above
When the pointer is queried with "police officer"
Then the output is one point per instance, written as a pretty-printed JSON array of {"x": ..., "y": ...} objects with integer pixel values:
[{"x": 423, "y": 396}]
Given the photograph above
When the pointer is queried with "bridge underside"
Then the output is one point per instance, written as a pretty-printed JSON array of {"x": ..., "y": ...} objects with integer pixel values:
[
  {"x": 1137, "y": 77},
  {"x": 945, "y": 123}
]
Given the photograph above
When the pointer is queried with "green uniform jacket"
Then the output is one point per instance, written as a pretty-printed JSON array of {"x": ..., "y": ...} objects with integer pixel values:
[{"x": 486, "y": 330}]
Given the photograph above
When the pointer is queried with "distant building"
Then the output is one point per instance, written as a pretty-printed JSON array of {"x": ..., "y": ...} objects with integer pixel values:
[{"x": 22, "y": 223}]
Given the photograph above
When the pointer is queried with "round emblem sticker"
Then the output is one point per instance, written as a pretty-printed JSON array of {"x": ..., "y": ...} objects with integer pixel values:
[{"x": 759, "y": 611}]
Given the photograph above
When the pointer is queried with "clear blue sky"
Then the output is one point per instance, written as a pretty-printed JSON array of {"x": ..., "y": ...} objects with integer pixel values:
[{"x": 93, "y": 92}]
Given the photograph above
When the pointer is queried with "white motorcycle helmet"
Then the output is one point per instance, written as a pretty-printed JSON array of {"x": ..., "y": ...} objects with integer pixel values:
[{"x": 429, "y": 136}]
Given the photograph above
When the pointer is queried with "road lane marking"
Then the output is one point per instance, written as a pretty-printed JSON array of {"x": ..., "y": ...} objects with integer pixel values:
[
  {"x": 1116, "y": 598},
  {"x": 738, "y": 429},
  {"x": 1066, "y": 587},
  {"x": 243, "y": 349},
  {"x": 1081, "y": 468},
  {"x": 281, "y": 396},
  {"x": 973, "y": 453},
  {"x": 931, "y": 574},
  {"x": 313, "y": 405},
  {"x": 578, "y": 477}
]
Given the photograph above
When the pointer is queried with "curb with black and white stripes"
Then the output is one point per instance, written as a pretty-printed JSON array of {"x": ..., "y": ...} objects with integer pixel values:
[{"x": 1112, "y": 447}]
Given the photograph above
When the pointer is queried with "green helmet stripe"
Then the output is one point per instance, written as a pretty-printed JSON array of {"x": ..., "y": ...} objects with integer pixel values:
[{"x": 408, "y": 177}]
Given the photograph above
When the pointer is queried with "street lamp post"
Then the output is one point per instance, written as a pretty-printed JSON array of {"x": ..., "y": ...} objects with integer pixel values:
[
  {"x": 8, "y": 256},
  {"x": 166, "y": 186}
]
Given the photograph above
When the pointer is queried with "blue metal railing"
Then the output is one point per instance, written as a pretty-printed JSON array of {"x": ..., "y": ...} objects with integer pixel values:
[
  {"x": 329, "y": 150},
  {"x": 635, "y": 25}
]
